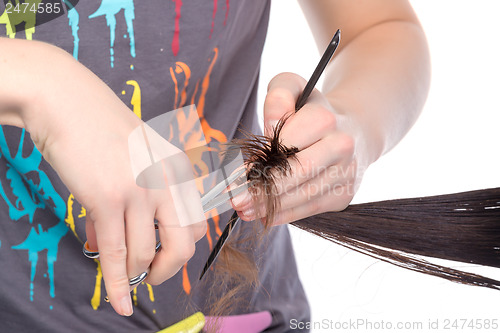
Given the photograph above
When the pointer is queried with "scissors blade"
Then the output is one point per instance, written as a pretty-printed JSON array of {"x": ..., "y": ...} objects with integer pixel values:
[
  {"x": 224, "y": 197},
  {"x": 220, "y": 243},
  {"x": 215, "y": 198},
  {"x": 220, "y": 187}
]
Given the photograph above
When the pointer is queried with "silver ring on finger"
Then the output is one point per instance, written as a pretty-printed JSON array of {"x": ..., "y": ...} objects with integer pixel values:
[
  {"x": 89, "y": 253},
  {"x": 138, "y": 279}
]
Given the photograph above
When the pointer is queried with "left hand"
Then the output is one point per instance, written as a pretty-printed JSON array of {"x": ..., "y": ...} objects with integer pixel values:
[{"x": 326, "y": 173}]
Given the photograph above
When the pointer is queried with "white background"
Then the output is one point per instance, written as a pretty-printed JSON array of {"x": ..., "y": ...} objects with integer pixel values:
[{"x": 453, "y": 147}]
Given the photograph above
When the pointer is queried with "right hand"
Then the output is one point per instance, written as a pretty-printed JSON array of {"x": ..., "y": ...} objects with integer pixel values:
[{"x": 82, "y": 128}]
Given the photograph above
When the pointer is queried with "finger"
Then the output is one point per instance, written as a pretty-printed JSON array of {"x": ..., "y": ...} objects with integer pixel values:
[
  {"x": 311, "y": 124},
  {"x": 178, "y": 245},
  {"x": 336, "y": 200},
  {"x": 326, "y": 183},
  {"x": 110, "y": 232},
  {"x": 140, "y": 238},
  {"x": 181, "y": 194},
  {"x": 308, "y": 164},
  {"x": 199, "y": 230},
  {"x": 311, "y": 163},
  {"x": 90, "y": 233},
  {"x": 282, "y": 92},
  {"x": 335, "y": 149}
]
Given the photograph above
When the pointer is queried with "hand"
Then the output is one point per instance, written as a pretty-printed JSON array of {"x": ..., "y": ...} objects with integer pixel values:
[
  {"x": 326, "y": 172},
  {"x": 83, "y": 132}
]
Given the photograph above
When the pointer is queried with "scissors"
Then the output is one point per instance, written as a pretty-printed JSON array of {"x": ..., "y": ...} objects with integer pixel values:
[
  {"x": 301, "y": 101},
  {"x": 217, "y": 196}
]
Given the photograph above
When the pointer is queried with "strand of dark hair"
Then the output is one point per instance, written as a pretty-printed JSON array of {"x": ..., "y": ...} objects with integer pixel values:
[{"x": 463, "y": 227}]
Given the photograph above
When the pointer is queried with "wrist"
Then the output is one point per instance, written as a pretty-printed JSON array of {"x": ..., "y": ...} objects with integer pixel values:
[
  {"x": 29, "y": 66},
  {"x": 17, "y": 92},
  {"x": 45, "y": 106}
]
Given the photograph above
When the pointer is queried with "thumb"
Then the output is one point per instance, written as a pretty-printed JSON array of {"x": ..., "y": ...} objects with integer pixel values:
[{"x": 282, "y": 93}]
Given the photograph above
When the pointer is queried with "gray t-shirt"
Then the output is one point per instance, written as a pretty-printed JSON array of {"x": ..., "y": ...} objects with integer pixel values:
[{"x": 157, "y": 56}]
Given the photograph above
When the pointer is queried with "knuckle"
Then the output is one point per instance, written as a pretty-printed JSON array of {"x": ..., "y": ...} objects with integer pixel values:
[
  {"x": 185, "y": 252},
  {"x": 329, "y": 120},
  {"x": 145, "y": 258},
  {"x": 341, "y": 143},
  {"x": 200, "y": 230},
  {"x": 278, "y": 98},
  {"x": 345, "y": 144},
  {"x": 115, "y": 254},
  {"x": 113, "y": 198},
  {"x": 116, "y": 284}
]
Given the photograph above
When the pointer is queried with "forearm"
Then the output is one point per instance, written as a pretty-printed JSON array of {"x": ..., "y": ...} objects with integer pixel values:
[
  {"x": 380, "y": 81},
  {"x": 380, "y": 76},
  {"x": 18, "y": 79},
  {"x": 47, "y": 91},
  {"x": 33, "y": 74}
]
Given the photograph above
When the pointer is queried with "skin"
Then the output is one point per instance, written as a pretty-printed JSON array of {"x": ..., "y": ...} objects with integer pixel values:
[
  {"x": 85, "y": 110},
  {"x": 373, "y": 92},
  {"x": 368, "y": 103}
]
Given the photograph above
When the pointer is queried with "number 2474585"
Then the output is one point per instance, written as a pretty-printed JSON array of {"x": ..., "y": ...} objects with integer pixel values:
[{"x": 41, "y": 8}]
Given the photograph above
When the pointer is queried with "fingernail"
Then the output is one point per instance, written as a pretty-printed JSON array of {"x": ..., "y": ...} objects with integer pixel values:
[
  {"x": 250, "y": 212},
  {"x": 126, "y": 305},
  {"x": 241, "y": 199}
]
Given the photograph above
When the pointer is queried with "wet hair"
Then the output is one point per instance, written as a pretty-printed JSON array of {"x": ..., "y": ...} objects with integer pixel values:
[
  {"x": 463, "y": 227},
  {"x": 267, "y": 160},
  {"x": 409, "y": 233}
]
